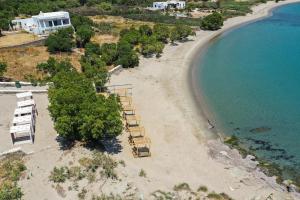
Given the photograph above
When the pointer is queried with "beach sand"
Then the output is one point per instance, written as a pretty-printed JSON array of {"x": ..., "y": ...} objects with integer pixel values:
[{"x": 181, "y": 150}]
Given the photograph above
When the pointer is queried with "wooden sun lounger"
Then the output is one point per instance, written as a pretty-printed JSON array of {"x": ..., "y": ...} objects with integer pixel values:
[
  {"x": 128, "y": 110},
  {"x": 132, "y": 120},
  {"x": 136, "y": 131},
  {"x": 122, "y": 92},
  {"x": 126, "y": 100},
  {"x": 141, "y": 147}
]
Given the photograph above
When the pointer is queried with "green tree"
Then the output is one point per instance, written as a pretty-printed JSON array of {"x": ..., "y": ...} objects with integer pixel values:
[
  {"x": 92, "y": 49},
  {"x": 52, "y": 66},
  {"x": 162, "y": 32},
  {"x": 3, "y": 67},
  {"x": 145, "y": 30},
  {"x": 95, "y": 69},
  {"x": 183, "y": 31},
  {"x": 4, "y": 24},
  {"x": 82, "y": 2},
  {"x": 127, "y": 57},
  {"x": 84, "y": 34},
  {"x": 174, "y": 35},
  {"x": 212, "y": 22},
  {"x": 60, "y": 41},
  {"x": 109, "y": 53},
  {"x": 131, "y": 36},
  {"x": 79, "y": 20}
]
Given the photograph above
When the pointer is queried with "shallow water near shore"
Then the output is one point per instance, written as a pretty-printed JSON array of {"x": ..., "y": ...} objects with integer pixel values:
[{"x": 249, "y": 79}]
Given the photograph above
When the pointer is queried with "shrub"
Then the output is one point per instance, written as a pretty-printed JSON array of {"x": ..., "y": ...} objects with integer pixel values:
[
  {"x": 60, "y": 41},
  {"x": 3, "y": 67},
  {"x": 84, "y": 34},
  {"x": 75, "y": 173},
  {"x": 182, "y": 186},
  {"x": 10, "y": 191},
  {"x": 202, "y": 189},
  {"x": 58, "y": 175},
  {"x": 212, "y": 22},
  {"x": 142, "y": 173}
]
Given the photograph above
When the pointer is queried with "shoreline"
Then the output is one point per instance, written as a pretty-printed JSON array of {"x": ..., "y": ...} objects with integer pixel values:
[
  {"x": 180, "y": 150},
  {"x": 196, "y": 53}
]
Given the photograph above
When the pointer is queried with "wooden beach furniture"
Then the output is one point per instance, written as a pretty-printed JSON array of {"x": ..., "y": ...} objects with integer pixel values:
[
  {"x": 21, "y": 120},
  {"x": 122, "y": 92},
  {"x": 24, "y": 111},
  {"x": 128, "y": 110},
  {"x": 141, "y": 147},
  {"x": 132, "y": 120},
  {"x": 26, "y": 103},
  {"x": 24, "y": 96},
  {"x": 135, "y": 133},
  {"x": 126, "y": 100},
  {"x": 21, "y": 134}
]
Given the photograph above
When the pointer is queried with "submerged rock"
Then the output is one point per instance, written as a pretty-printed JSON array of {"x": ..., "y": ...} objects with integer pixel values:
[{"x": 260, "y": 129}]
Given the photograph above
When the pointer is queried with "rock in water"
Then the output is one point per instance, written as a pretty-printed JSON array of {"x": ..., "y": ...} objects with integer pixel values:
[{"x": 260, "y": 129}]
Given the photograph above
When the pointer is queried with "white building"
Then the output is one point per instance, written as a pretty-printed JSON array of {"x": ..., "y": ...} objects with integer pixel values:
[
  {"x": 44, "y": 23},
  {"x": 168, "y": 4}
]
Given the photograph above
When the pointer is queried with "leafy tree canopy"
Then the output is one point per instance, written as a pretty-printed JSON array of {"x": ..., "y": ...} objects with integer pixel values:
[{"x": 212, "y": 22}]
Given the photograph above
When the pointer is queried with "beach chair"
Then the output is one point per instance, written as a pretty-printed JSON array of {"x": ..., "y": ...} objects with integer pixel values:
[
  {"x": 26, "y": 103},
  {"x": 121, "y": 92},
  {"x": 141, "y": 147},
  {"x": 135, "y": 132},
  {"x": 128, "y": 110},
  {"x": 132, "y": 120},
  {"x": 126, "y": 100},
  {"x": 24, "y": 96},
  {"x": 21, "y": 134}
]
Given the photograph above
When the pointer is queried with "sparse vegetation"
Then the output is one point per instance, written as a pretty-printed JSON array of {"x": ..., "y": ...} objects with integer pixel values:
[
  {"x": 58, "y": 175},
  {"x": 202, "y": 189},
  {"x": 142, "y": 173},
  {"x": 3, "y": 67},
  {"x": 82, "y": 194},
  {"x": 182, "y": 186},
  {"x": 11, "y": 168}
]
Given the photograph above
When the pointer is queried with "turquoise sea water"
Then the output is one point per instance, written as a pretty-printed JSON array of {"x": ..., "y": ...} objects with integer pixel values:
[{"x": 250, "y": 78}]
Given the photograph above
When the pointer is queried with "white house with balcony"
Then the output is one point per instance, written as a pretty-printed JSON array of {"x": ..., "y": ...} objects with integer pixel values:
[
  {"x": 168, "y": 4},
  {"x": 43, "y": 23}
]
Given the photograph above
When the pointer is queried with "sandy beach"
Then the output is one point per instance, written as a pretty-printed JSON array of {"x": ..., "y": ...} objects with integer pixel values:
[{"x": 182, "y": 149}]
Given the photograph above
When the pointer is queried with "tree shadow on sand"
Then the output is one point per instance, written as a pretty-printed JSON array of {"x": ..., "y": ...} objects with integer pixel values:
[{"x": 109, "y": 145}]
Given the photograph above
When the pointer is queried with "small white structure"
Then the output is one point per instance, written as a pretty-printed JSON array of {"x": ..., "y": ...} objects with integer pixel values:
[
  {"x": 22, "y": 134},
  {"x": 44, "y": 23},
  {"x": 168, "y": 4},
  {"x": 26, "y": 103},
  {"x": 27, "y": 119},
  {"x": 24, "y": 111},
  {"x": 24, "y": 95}
]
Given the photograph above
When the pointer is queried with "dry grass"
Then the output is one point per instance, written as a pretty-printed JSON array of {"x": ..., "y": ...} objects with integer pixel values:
[
  {"x": 16, "y": 39},
  {"x": 119, "y": 22},
  {"x": 99, "y": 38},
  {"x": 23, "y": 61}
]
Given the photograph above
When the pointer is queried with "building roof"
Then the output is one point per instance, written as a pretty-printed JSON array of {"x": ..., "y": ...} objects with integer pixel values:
[{"x": 52, "y": 15}]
